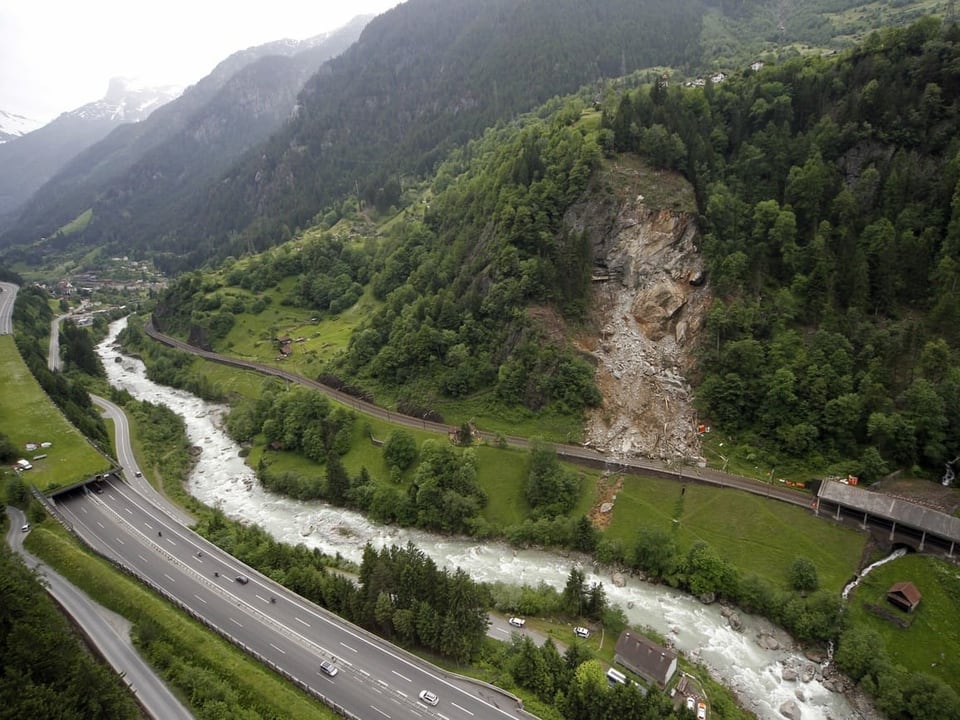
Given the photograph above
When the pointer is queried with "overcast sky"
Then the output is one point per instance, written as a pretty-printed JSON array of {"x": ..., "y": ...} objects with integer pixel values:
[{"x": 56, "y": 55}]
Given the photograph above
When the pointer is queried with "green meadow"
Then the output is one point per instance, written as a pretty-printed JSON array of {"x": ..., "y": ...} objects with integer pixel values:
[
  {"x": 757, "y": 535},
  {"x": 930, "y": 642},
  {"x": 27, "y": 415}
]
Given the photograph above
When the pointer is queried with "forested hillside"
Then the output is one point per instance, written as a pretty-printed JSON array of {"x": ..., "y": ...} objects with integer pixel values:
[
  {"x": 454, "y": 290},
  {"x": 831, "y": 205}
]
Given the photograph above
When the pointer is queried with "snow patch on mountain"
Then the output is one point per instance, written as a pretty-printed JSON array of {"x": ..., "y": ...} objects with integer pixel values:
[
  {"x": 127, "y": 100},
  {"x": 13, "y": 126}
]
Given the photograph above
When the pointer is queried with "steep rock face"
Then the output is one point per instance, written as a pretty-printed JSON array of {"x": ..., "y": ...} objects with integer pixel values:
[{"x": 649, "y": 304}]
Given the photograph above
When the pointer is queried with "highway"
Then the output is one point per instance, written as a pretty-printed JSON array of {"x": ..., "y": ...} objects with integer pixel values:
[
  {"x": 376, "y": 679},
  {"x": 115, "y": 646},
  {"x": 8, "y": 295}
]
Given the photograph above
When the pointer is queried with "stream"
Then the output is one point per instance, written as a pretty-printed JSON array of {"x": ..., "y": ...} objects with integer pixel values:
[{"x": 737, "y": 659}]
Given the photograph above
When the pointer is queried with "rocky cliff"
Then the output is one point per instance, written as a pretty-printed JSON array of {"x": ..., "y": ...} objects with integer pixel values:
[{"x": 650, "y": 299}]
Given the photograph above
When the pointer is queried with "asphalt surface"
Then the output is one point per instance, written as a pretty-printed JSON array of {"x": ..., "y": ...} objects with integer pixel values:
[
  {"x": 376, "y": 679},
  {"x": 114, "y": 645},
  {"x": 53, "y": 354},
  {"x": 8, "y": 295}
]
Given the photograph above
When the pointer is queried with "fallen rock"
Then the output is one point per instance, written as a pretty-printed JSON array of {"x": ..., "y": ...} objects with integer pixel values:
[
  {"x": 617, "y": 579},
  {"x": 606, "y": 507},
  {"x": 736, "y": 622},
  {"x": 769, "y": 642},
  {"x": 790, "y": 710},
  {"x": 809, "y": 672},
  {"x": 789, "y": 674},
  {"x": 708, "y": 598}
]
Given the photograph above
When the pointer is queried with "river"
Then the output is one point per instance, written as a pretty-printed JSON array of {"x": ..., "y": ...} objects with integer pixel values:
[{"x": 222, "y": 479}]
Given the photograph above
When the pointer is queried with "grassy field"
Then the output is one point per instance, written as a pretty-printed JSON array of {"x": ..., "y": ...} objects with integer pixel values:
[
  {"x": 28, "y": 415},
  {"x": 930, "y": 643},
  {"x": 757, "y": 535},
  {"x": 255, "y": 685}
]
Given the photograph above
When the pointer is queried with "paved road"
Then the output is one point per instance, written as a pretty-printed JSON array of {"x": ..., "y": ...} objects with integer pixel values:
[
  {"x": 53, "y": 354},
  {"x": 8, "y": 295},
  {"x": 574, "y": 453},
  {"x": 377, "y": 680},
  {"x": 115, "y": 646},
  {"x": 127, "y": 460}
]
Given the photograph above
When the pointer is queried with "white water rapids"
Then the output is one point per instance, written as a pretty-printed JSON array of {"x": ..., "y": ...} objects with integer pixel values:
[{"x": 222, "y": 479}]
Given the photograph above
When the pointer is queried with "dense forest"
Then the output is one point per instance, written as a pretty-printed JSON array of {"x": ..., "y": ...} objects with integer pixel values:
[
  {"x": 831, "y": 210},
  {"x": 45, "y": 671},
  {"x": 831, "y": 230}
]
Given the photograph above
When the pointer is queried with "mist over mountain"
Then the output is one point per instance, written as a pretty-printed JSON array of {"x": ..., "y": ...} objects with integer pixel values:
[
  {"x": 28, "y": 161},
  {"x": 135, "y": 171},
  {"x": 421, "y": 79}
]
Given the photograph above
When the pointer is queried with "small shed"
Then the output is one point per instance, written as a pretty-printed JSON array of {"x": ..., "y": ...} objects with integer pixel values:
[{"x": 904, "y": 595}]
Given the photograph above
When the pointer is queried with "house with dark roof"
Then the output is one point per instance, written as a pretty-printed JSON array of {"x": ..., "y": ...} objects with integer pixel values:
[
  {"x": 904, "y": 595},
  {"x": 644, "y": 657}
]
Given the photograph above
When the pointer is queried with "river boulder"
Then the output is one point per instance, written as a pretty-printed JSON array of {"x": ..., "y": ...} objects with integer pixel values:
[{"x": 790, "y": 710}]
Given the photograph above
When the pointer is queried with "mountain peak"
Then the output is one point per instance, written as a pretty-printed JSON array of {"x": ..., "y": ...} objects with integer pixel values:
[
  {"x": 127, "y": 100},
  {"x": 13, "y": 126}
]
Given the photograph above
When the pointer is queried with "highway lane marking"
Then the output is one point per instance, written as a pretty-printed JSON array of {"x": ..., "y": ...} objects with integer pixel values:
[
  {"x": 129, "y": 511},
  {"x": 149, "y": 525},
  {"x": 461, "y": 708},
  {"x": 379, "y": 711},
  {"x": 142, "y": 557},
  {"x": 363, "y": 672},
  {"x": 87, "y": 512},
  {"x": 261, "y": 597},
  {"x": 170, "y": 578},
  {"x": 401, "y": 694},
  {"x": 121, "y": 541},
  {"x": 236, "y": 622},
  {"x": 200, "y": 598},
  {"x": 101, "y": 525},
  {"x": 278, "y": 649},
  {"x": 444, "y": 716},
  {"x": 322, "y": 618},
  {"x": 304, "y": 622},
  {"x": 383, "y": 683},
  {"x": 401, "y": 676}
]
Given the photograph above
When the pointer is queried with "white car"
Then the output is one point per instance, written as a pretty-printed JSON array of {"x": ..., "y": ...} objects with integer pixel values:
[
  {"x": 517, "y": 622},
  {"x": 25, "y": 528},
  {"x": 581, "y": 632},
  {"x": 691, "y": 703},
  {"x": 430, "y": 698},
  {"x": 328, "y": 668}
]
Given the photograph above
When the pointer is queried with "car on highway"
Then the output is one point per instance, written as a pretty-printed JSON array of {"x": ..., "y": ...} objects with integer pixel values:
[
  {"x": 429, "y": 698},
  {"x": 242, "y": 579},
  {"x": 517, "y": 622},
  {"x": 328, "y": 668},
  {"x": 581, "y": 632},
  {"x": 138, "y": 473}
]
